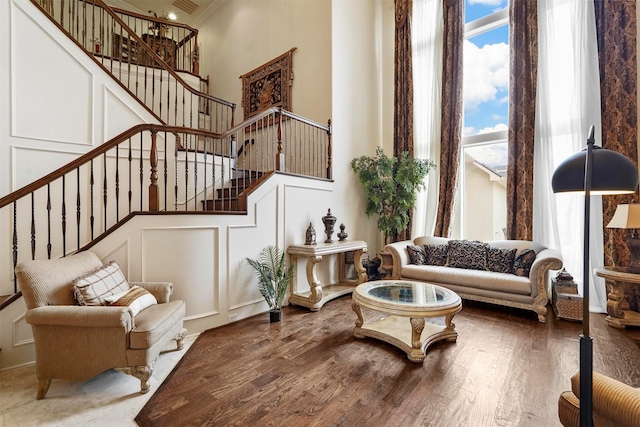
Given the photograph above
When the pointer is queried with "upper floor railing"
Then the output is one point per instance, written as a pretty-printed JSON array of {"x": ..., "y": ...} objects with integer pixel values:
[
  {"x": 154, "y": 60},
  {"x": 151, "y": 168}
]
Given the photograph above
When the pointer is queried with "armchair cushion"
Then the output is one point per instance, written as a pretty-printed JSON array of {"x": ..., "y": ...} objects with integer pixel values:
[
  {"x": 94, "y": 287},
  {"x": 154, "y": 322},
  {"x": 136, "y": 299}
]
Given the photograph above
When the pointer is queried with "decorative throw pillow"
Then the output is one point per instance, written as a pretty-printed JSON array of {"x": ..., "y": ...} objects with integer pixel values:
[
  {"x": 467, "y": 254},
  {"x": 136, "y": 298},
  {"x": 500, "y": 260},
  {"x": 522, "y": 264},
  {"x": 436, "y": 254},
  {"x": 417, "y": 254},
  {"x": 93, "y": 287}
]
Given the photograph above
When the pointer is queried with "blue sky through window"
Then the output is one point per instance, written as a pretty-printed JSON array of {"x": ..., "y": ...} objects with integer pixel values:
[{"x": 486, "y": 72}]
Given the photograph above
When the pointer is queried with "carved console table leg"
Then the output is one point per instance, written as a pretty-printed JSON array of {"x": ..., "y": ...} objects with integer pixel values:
[
  {"x": 417, "y": 326},
  {"x": 312, "y": 279},
  {"x": 361, "y": 272}
]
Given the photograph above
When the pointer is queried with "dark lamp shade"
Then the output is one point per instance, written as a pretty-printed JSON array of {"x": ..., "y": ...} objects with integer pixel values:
[{"x": 612, "y": 173}]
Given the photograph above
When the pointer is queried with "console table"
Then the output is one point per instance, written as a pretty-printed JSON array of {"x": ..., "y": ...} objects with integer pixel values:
[
  {"x": 319, "y": 294},
  {"x": 618, "y": 308}
]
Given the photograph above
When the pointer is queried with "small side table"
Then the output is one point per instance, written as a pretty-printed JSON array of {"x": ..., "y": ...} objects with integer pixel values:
[
  {"x": 320, "y": 294},
  {"x": 618, "y": 308}
]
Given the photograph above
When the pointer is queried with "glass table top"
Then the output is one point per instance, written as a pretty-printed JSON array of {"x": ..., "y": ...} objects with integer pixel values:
[{"x": 404, "y": 292}]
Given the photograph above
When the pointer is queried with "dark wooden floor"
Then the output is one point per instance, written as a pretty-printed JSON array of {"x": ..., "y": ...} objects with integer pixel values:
[{"x": 506, "y": 369}]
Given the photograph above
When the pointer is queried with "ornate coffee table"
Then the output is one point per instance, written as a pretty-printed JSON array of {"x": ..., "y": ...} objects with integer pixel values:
[{"x": 403, "y": 299}]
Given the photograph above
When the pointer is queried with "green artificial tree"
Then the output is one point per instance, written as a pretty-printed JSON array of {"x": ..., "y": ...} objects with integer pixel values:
[{"x": 391, "y": 186}]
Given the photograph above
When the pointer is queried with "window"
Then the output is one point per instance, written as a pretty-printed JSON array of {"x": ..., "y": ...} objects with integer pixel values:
[{"x": 485, "y": 120}]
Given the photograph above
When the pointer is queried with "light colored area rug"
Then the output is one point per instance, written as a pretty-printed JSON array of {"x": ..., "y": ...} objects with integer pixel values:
[{"x": 108, "y": 399}]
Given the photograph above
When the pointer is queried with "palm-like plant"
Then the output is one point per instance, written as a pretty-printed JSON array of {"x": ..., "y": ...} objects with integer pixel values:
[{"x": 273, "y": 275}]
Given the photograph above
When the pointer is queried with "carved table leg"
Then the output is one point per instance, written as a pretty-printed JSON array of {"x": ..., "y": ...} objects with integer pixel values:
[
  {"x": 361, "y": 272},
  {"x": 417, "y": 325},
  {"x": 616, "y": 300},
  {"x": 314, "y": 283},
  {"x": 358, "y": 310}
]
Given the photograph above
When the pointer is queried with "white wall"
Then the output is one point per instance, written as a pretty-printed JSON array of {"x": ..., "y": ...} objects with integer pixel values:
[{"x": 61, "y": 103}]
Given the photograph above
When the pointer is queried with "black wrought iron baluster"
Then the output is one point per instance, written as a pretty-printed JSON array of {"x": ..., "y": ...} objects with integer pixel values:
[
  {"x": 64, "y": 218},
  {"x": 195, "y": 175},
  {"x": 105, "y": 187},
  {"x": 204, "y": 173},
  {"x": 78, "y": 205},
  {"x": 91, "y": 183},
  {"x": 33, "y": 226},
  {"x": 48, "y": 221},
  {"x": 117, "y": 183},
  {"x": 160, "y": 92},
  {"x": 130, "y": 193},
  {"x": 186, "y": 176},
  {"x": 62, "y": 13},
  {"x": 175, "y": 172},
  {"x": 141, "y": 172},
  {"x": 14, "y": 250}
]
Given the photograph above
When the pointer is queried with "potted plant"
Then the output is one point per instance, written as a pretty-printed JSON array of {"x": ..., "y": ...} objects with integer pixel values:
[
  {"x": 391, "y": 186},
  {"x": 273, "y": 278}
]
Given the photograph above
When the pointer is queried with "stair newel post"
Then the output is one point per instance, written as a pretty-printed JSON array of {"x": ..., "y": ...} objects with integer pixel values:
[
  {"x": 153, "y": 186},
  {"x": 329, "y": 160},
  {"x": 196, "y": 57},
  {"x": 280, "y": 155}
]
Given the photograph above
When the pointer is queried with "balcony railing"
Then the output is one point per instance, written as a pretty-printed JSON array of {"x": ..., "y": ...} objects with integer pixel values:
[{"x": 153, "y": 59}]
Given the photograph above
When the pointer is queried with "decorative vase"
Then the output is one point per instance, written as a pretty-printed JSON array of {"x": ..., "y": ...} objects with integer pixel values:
[
  {"x": 275, "y": 315},
  {"x": 329, "y": 222}
]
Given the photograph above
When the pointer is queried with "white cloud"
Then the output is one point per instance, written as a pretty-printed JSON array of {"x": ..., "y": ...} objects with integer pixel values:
[
  {"x": 468, "y": 130},
  {"x": 486, "y": 72},
  {"x": 499, "y": 126}
]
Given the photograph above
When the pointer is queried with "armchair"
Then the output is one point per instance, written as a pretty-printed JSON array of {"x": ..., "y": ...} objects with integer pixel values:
[
  {"x": 75, "y": 342},
  {"x": 614, "y": 403}
]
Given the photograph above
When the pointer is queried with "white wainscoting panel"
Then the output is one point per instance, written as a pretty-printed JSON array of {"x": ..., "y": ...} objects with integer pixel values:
[
  {"x": 187, "y": 257},
  {"x": 117, "y": 115},
  {"x": 247, "y": 242},
  {"x": 52, "y": 106},
  {"x": 36, "y": 163}
]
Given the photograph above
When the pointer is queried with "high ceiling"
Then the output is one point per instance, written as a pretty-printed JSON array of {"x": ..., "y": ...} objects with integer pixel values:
[{"x": 186, "y": 10}]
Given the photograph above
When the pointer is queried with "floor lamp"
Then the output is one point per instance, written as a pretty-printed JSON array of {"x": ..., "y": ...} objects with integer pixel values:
[{"x": 596, "y": 171}]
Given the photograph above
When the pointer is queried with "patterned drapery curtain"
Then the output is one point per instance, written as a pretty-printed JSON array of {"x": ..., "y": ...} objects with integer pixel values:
[
  {"x": 403, "y": 91},
  {"x": 451, "y": 132},
  {"x": 616, "y": 29},
  {"x": 523, "y": 45}
]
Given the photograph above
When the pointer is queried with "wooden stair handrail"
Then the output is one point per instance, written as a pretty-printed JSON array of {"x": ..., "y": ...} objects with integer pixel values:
[{"x": 143, "y": 45}]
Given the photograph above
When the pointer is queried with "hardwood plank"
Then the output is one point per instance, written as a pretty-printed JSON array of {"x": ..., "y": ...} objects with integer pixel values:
[{"x": 505, "y": 369}]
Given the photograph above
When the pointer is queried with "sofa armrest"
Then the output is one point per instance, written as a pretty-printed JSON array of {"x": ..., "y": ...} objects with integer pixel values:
[
  {"x": 160, "y": 290},
  {"x": 80, "y": 316},
  {"x": 612, "y": 399},
  {"x": 398, "y": 251},
  {"x": 546, "y": 259}
]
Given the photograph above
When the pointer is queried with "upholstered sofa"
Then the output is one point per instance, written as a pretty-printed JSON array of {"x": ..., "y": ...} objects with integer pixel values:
[
  {"x": 614, "y": 403},
  {"x": 76, "y": 342},
  {"x": 461, "y": 272}
]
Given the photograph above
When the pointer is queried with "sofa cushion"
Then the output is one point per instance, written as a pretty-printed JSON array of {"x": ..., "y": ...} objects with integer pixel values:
[
  {"x": 524, "y": 261},
  {"x": 471, "y": 279},
  {"x": 436, "y": 254},
  {"x": 417, "y": 254},
  {"x": 154, "y": 322},
  {"x": 467, "y": 254},
  {"x": 136, "y": 298},
  {"x": 500, "y": 260},
  {"x": 93, "y": 287}
]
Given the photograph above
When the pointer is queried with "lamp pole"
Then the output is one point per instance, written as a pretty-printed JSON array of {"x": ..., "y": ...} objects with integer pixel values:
[{"x": 586, "y": 343}]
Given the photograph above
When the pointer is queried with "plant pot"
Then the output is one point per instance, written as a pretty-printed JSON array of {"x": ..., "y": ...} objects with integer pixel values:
[{"x": 275, "y": 315}]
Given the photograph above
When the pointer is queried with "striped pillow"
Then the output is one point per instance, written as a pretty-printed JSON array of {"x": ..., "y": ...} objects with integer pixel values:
[
  {"x": 136, "y": 298},
  {"x": 94, "y": 287}
]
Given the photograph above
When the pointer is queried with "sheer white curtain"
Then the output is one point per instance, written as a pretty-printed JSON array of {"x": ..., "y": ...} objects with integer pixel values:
[
  {"x": 426, "y": 43},
  {"x": 568, "y": 103}
]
